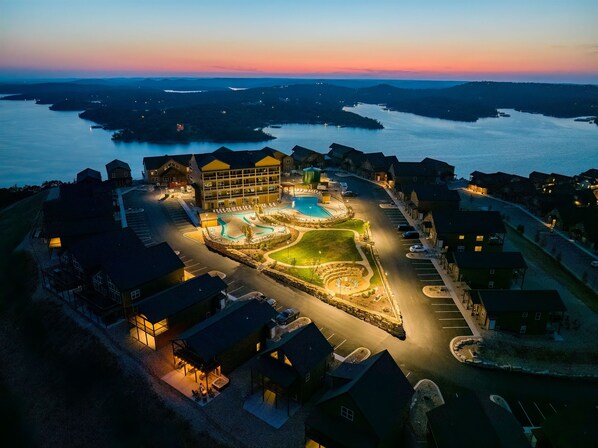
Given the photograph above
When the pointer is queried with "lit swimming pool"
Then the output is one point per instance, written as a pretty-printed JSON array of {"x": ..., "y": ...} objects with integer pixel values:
[
  {"x": 237, "y": 227},
  {"x": 308, "y": 206}
]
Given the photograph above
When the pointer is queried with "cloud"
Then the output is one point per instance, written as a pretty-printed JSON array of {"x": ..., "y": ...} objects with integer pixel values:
[{"x": 236, "y": 69}]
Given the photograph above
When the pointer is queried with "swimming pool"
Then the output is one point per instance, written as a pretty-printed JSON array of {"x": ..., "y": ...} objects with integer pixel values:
[
  {"x": 308, "y": 206},
  {"x": 237, "y": 226}
]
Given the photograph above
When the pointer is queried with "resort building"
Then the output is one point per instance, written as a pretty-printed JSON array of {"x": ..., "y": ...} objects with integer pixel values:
[
  {"x": 119, "y": 174},
  {"x": 492, "y": 270},
  {"x": 226, "y": 178},
  {"x": 305, "y": 158},
  {"x": 167, "y": 171}
]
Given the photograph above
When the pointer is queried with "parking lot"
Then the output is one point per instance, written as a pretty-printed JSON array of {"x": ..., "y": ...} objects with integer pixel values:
[
  {"x": 137, "y": 221},
  {"x": 192, "y": 265},
  {"x": 341, "y": 345},
  {"x": 178, "y": 215},
  {"x": 533, "y": 413}
]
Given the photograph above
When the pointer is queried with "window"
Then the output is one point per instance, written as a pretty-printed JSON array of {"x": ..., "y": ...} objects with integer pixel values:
[
  {"x": 135, "y": 294},
  {"x": 461, "y": 237},
  {"x": 479, "y": 238},
  {"x": 491, "y": 271},
  {"x": 258, "y": 346},
  {"x": 523, "y": 329},
  {"x": 347, "y": 413},
  {"x": 307, "y": 377},
  {"x": 477, "y": 248},
  {"x": 538, "y": 315},
  {"x": 490, "y": 284},
  {"x": 524, "y": 314},
  {"x": 460, "y": 248}
]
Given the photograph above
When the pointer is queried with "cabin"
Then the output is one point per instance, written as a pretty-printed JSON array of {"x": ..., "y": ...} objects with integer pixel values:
[
  {"x": 518, "y": 311},
  {"x": 88, "y": 175},
  {"x": 294, "y": 367},
  {"x": 366, "y": 405},
  {"x": 487, "y": 423},
  {"x": 119, "y": 174},
  {"x": 428, "y": 198},
  {"x": 488, "y": 270},
  {"x": 428, "y": 171},
  {"x": 379, "y": 167},
  {"x": 224, "y": 341},
  {"x": 467, "y": 231},
  {"x": 159, "y": 318},
  {"x": 306, "y": 158},
  {"x": 337, "y": 156}
]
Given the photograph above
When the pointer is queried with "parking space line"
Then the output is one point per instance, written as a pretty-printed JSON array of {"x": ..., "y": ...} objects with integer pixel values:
[
  {"x": 527, "y": 416},
  {"x": 539, "y": 410},
  {"x": 443, "y": 304},
  {"x": 328, "y": 338},
  {"x": 452, "y": 318},
  {"x": 550, "y": 404},
  {"x": 191, "y": 264},
  {"x": 344, "y": 340},
  {"x": 200, "y": 269},
  {"x": 236, "y": 289},
  {"x": 451, "y": 311},
  {"x": 446, "y": 328}
]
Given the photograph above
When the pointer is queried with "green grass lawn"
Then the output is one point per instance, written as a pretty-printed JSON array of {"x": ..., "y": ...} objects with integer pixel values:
[
  {"x": 375, "y": 280},
  {"x": 351, "y": 224},
  {"x": 334, "y": 245}
]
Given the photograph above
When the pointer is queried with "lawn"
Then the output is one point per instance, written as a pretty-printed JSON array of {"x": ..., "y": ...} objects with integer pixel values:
[
  {"x": 351, "y": 224},
  {"x": 320, "y": 246}
]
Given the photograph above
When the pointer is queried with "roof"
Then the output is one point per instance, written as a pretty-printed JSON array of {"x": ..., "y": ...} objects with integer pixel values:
[
  {"x": 300, "y": 153},
  {"x": 379, "y": 390},
  {"x": 339, "y": 151},
  {"x": 117, "y": 164},
  {"x": 155, "y": 162},
  {"x": 92, "y": 251},
  {"x": 414, "y": 169},
  {"x": 278, "y": 155},
  {"x": 488, "y": 424},
  {"x": 468, "y": 222},
  {"x": 236, "y": 159},
  {"x": 489, "y": 260},
  {"x": 88, "y": 173},
  {"x": 227, "y": 328},
  {"x": 180, "y": 297},
  {"x": 379, "y": 161},
  {"x": 305, "y": 347},
  {"x": 437, "y": 193},
  {"x": 136, "y": 268},
  {"x": 506, "y": 300},
  {"x": 437, "y": 164}
]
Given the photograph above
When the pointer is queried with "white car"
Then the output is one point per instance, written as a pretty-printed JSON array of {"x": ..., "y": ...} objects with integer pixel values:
[
  {"x": 594, "y": 264},
  {"x": 417, "y": 248}
]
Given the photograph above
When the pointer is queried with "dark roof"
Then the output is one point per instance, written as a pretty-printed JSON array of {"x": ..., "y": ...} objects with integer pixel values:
[
  {"x": 488, "y": 424},
  {"x": 227, "y": 328},
  {"x": 379, "y": 390},
  {"x": 92, "y": 251},
  {"x": 300, "y": 153},
  {"x": 89, "y": 173},
  {"x": 489, "y": 260},
  {"x": 467, "y": 222},
  {"x": 155, "y": 162},
  {"x": 180, "y": 297},
  {"x": 437, "y": 193},
  {"x": 117, "y": 164},
  {"x": 305, "y": 347},
  {"x": 437, "y": 164},
  {"x": 505, "y": 300},
  {"x": 415, "y": 169},
  {"x": 278, "y": 155},
  {"x": 236, "y": 159},
  {"x": 339, "y": 151},
  {"x": 136, "y": 268}
]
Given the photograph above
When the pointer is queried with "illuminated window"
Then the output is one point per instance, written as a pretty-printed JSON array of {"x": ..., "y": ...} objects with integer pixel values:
[
  {"x": 461, "y": 237},
  {"x": 479, "y": 238},
  {"x": 258, "y": 346},
  {"x": 477, "y": 248},
  {"x": 347, "y": 413},
  {"x": 287, "y": 361}
]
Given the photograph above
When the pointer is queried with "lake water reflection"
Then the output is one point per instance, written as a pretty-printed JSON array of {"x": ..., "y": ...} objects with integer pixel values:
[{"x": 37, "y": 144}]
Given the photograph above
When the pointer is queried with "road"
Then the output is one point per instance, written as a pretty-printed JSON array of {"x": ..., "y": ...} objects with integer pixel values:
[{"x": 424, "y": 354}]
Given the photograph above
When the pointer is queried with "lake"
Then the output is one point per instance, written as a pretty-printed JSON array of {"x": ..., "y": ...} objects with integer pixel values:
[{"x": 37, "y": 144}]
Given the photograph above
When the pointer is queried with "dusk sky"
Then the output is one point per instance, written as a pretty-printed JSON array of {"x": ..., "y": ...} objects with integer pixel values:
[{"x": 540, "y": 40}]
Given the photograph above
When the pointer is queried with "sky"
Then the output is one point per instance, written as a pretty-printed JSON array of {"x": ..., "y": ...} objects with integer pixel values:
[{"x": 522, "y": 40}]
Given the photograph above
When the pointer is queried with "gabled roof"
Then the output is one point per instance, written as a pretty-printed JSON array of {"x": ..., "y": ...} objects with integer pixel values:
[
  {"x": 488, "y": 424},
  {"x": 136, "y": 268},
  {"x": 380, "y": 162},
  {"x": 414, "y": 169},
  {"x": 180, "y": 297},
  {"x": 305, "y": 347},
  {"x": 155, "y": 162},
  {"x": 227, "y": 328},
  {"x": 299, "y": 153},
  {"x": 468, "y": 222},
  {"x": 437, "y": 164},
  {"x": 489, "y": 260},
  {"x": 278, "y": 155},
  {"x": 89, "y": 173},
  {"x": 436, "y": 193},
  {"x": 117, "y": 164},
  {"x": 235, "y": 159},
  {"x": 339, "y": 151},
  {"x": 505, "y": 300},
  {"x": 91, "y": 252},
  {"x": 378, "y": 388}
]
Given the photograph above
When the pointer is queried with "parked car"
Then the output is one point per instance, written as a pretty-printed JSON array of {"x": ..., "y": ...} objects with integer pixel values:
[
  {"x": 405, "y": 228},
  {"x": 411, "y": 235},
  {"x": 349, "y": 194},
  {"x": 594, "y": 264},
  {"x": 287, "y": 316},
  {"x": 417, "y": 248}
]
